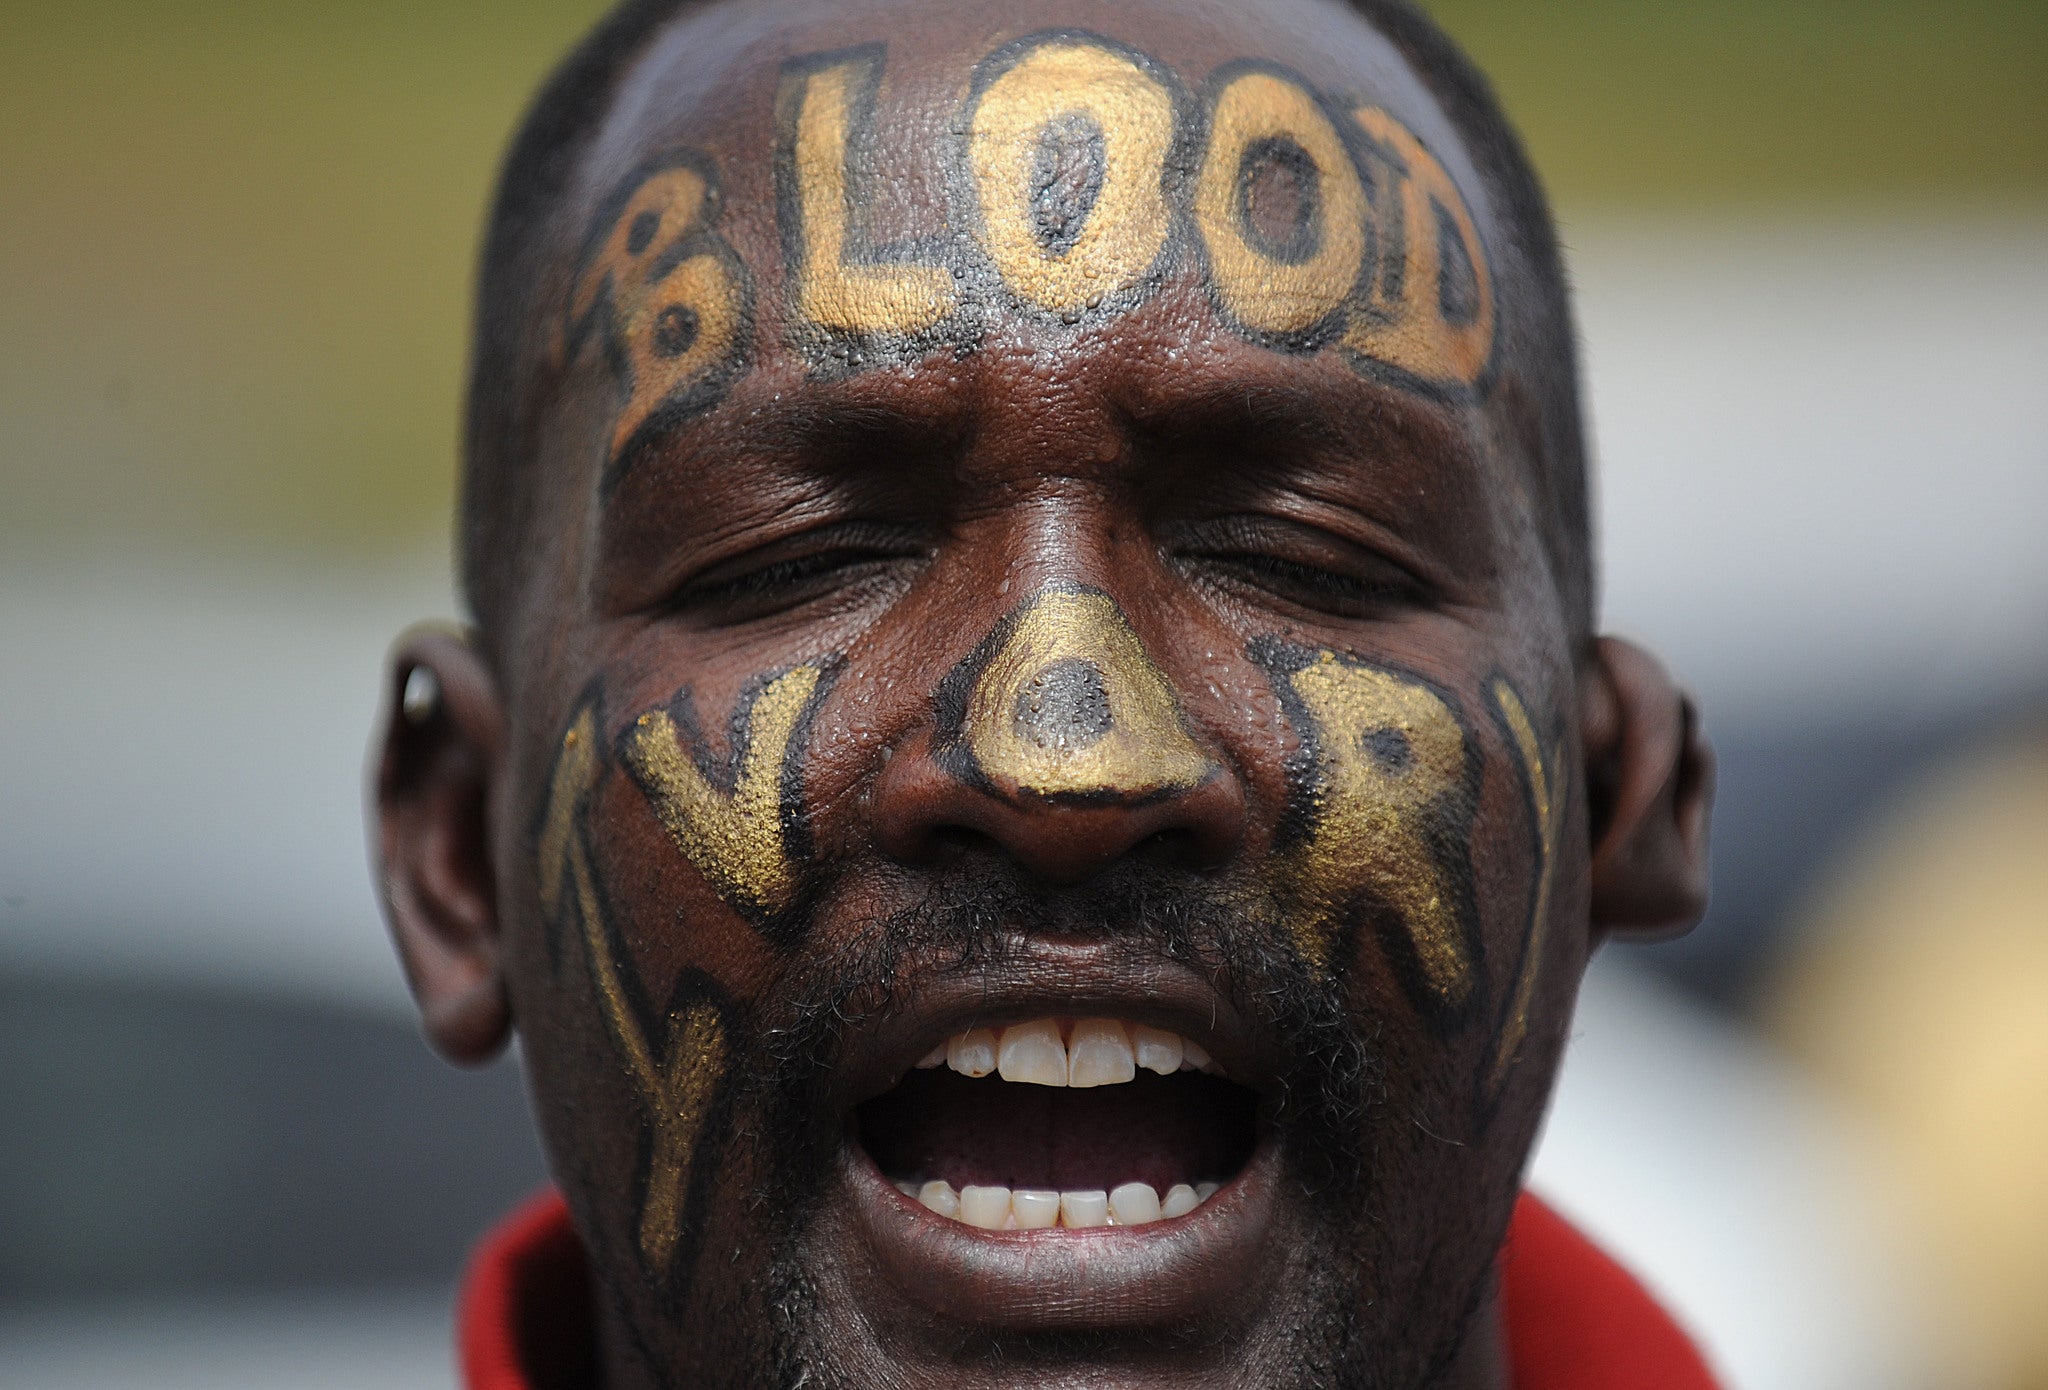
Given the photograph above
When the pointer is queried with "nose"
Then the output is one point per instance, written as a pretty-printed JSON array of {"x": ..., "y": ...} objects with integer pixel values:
[{"x": 1061, "y": 743}]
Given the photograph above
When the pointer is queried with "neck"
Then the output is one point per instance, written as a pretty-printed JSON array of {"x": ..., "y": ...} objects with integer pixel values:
[{"x": 1482, "y": 1361}]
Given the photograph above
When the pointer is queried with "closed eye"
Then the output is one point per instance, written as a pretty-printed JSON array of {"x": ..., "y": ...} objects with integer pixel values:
[
  {"x": 1310, "y": 585},
  {"x": 834, "y": 568},
  {"x": 1263, "y": 562}
]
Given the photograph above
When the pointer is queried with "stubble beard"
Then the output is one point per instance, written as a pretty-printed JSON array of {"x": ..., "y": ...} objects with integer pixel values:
[{"x": 1355, "y": 1318}]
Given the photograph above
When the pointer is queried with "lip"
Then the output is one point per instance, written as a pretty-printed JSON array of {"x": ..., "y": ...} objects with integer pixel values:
[
  {"x": 1188, "y": 1270},
  {"x": 1169, "y": 1272},
  {"x": 1041, "y": 980}
]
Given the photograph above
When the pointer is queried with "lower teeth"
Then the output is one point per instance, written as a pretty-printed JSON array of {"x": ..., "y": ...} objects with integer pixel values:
[{"x": 1030, "y": 1209}]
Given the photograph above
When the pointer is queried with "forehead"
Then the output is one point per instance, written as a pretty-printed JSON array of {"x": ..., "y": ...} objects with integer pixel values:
[
  {"x": 784, "y": 195},
  {"x": 710, "y": 78}
]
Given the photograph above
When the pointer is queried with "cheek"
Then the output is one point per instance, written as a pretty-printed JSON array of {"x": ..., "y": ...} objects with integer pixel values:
[
  {"x": 644, "y": 972},
  {"x": 1420, "y": 858},
  {"x": 738, "y": 817},
  {"x": 1375, "y": 849},
  {"x": 1541, "y": 892}
]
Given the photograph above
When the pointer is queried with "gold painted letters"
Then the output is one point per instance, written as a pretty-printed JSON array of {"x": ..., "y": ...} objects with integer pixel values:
[
  {"x": 1428, "y": 308},
  {"x": 1067, "y": 147},
  {"x": 671, "y": 298},
  {"x": 1547, "y": 808},
  {"x": 824, "y": 119},
  {"x": 1311, "y": 226},
  {"x": 1384, "y": 799},
  {"x": 1266, "y": 131},
  {"x": 737, "y": 834},
  {"x": 679, "y": 1080}
]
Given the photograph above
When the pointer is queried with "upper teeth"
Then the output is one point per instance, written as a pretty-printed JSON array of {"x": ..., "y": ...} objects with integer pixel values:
[{"x": 1077, "y": 1052}]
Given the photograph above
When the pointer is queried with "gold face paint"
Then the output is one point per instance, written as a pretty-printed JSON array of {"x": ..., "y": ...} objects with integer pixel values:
[
  {"x": 671, "y": 301},
  {"x": 1428, "y": 308},
  {"x": 1062, "y": 701},
  {"x": 681, "y": 1081},
  {"x": 736, "y": 824},
  {"x": 1266, "y": 129},
  {"x": 1547, "y": 810},
  {"x": 825, "y": 110},
  {"x": 1313, "y": 227},
  {"x": 1385, "y": 795},
  {"x": 1066, "y": 150}
]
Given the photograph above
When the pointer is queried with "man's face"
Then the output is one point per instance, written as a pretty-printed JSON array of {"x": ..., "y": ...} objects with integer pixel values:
[{"x": 1041, "y": 769}]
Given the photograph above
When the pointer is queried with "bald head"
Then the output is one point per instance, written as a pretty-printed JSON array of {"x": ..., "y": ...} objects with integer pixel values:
[{"x": 664, "y": 65}]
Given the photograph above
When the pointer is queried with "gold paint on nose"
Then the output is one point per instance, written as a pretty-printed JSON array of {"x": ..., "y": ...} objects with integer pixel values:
[{"x": 1067, "y": 703}]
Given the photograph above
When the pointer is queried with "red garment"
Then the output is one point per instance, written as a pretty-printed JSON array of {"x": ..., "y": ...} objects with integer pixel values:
[{"x": 1576, "y": 1320}]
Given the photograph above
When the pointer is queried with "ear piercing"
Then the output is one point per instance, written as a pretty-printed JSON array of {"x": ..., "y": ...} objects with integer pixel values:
[{"x": 421, "y": 700}]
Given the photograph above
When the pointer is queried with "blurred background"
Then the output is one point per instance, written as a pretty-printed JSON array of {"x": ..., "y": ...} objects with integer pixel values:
[{"x": 1811, "y": 244}]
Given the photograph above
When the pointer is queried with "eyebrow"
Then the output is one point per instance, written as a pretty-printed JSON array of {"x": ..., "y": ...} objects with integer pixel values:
[
  {"x": 1268, "y": 417},
  {"x": 1290, "y": 411},
  {"x": 845, "y": 438},
  {"x": 805, "y": 424}
]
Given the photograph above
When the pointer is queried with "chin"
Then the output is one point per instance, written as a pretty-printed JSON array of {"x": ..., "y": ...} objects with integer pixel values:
[{"x": 1089, "y": 1176}]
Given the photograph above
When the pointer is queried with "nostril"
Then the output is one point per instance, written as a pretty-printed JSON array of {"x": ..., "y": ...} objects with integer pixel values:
[
  {"x": 925, "y": 813},
  {"x": 1173, "y": 848},
  {"x": 948, "y": 844},
  {"x": 1212, "y": 817}
]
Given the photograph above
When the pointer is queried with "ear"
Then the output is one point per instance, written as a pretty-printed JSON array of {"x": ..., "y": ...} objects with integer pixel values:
[
  {"x": 1650, "y": 783},
  {"x": 435, "y": 764}
]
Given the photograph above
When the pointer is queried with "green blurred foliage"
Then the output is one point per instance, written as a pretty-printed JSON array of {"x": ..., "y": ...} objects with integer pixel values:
[
  {"x": 1866, "y": 102},
  {"x": 236, "y": 238},
  {"x": 235, "y": 259}
]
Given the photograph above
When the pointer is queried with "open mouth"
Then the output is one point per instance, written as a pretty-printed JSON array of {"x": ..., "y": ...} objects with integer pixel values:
[
  {"x": 1070, "y": 1123},
  {"x": 1068, "y": 1159}
]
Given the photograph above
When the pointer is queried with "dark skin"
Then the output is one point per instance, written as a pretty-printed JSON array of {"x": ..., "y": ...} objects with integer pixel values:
[{"x": 706, "y": 992}]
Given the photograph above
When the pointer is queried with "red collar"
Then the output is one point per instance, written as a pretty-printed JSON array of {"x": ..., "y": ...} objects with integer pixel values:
[{"x": 1576, "y": 1320}]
